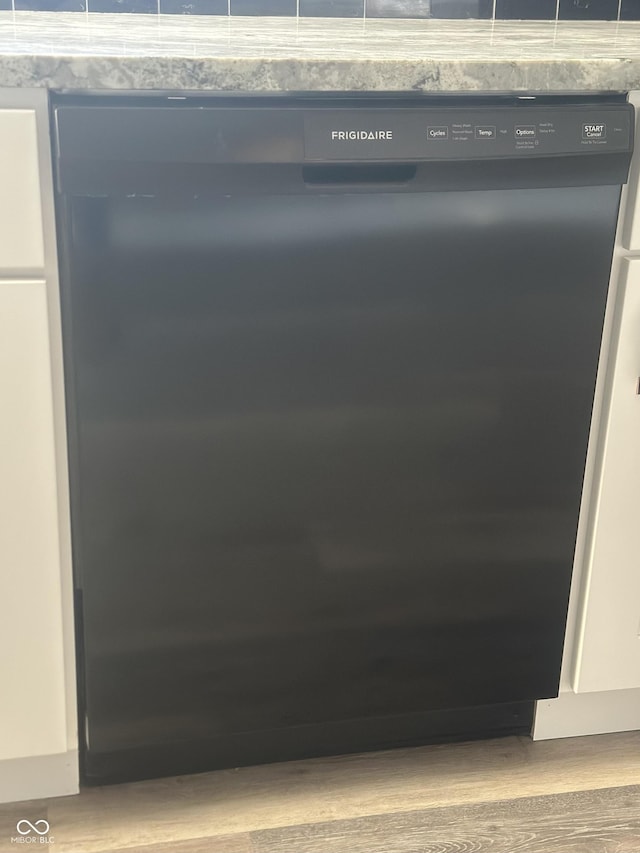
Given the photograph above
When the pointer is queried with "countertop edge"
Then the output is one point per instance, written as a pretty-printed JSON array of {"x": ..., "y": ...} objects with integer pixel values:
[{"x": 301, "y": 74}]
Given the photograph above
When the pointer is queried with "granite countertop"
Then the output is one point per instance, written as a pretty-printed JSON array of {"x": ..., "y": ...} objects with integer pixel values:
[{"x": 77, "y": 51}]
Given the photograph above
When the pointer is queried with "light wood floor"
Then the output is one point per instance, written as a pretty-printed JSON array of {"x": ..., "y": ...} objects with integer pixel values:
[{"x": 579, "y": 795}]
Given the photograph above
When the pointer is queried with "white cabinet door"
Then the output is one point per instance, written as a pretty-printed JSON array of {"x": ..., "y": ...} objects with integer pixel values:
[
  {"x": 631, "y": 223},
  {"x": 21, "y": 240},
  {"x": 32, "y": 704},
  {"x": 631, "y": 231},
  {"x": 608, "y": 655}
]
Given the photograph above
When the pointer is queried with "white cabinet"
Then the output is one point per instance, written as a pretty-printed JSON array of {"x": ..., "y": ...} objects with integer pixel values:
[
  {"x": 608, "y": 653},
  {"x": 631, "y": 216},
  {"x": 38, "y": 728},
  {"x": 631, "y": 231},
  {"x": 21, "y": 236},
  {"x": 32, "y": 714}
]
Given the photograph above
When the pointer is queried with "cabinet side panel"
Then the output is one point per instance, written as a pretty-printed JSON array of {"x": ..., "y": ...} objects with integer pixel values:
[
  {"x": 21, "y": 242},
  {"x": 32, "y": 713},
  {"x": 610, "y": 651}
]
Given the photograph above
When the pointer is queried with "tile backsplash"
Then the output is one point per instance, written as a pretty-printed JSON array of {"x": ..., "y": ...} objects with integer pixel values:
[{"x": 541, "y": 10}]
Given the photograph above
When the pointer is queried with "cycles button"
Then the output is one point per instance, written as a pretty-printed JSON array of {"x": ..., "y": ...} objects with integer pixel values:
[
  {"x": 485, "y": 132},
  {"x": 438, "y": 132}
]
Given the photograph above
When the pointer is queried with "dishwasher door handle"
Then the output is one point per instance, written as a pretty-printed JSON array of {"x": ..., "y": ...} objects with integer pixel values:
[{"x": 359, "y": 175}]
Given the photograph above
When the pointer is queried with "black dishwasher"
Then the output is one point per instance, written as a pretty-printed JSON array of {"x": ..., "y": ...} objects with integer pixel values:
[{"x": 330, "y": 368}]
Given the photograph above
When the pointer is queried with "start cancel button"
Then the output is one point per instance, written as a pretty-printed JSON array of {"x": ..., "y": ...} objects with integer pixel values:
[{"x": 594, "y": 131}]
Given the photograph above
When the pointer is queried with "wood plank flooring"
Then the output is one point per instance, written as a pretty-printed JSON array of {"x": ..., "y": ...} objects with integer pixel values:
[
  {"x": 571, "y": 823},
  {"x": 579, "y": 795}
]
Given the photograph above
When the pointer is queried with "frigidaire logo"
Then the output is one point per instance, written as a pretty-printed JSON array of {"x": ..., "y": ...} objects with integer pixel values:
[
  {"x": 343, "y": 135},
  {"x": 32, "y": 833},
  {"x": 594, "y": 131}
]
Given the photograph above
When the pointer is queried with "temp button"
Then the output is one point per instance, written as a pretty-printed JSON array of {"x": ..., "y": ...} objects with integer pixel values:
[{"x": 485, "y": 132}]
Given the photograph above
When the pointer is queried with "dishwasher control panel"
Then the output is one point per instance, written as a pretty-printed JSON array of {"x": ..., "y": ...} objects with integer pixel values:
[
  {"x": 455, "y": 133},
  {"x": 116, "y": 145}
]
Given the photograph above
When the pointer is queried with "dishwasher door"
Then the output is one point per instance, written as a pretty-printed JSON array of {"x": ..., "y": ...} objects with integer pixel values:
[{"x": 327, "y": 453}]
